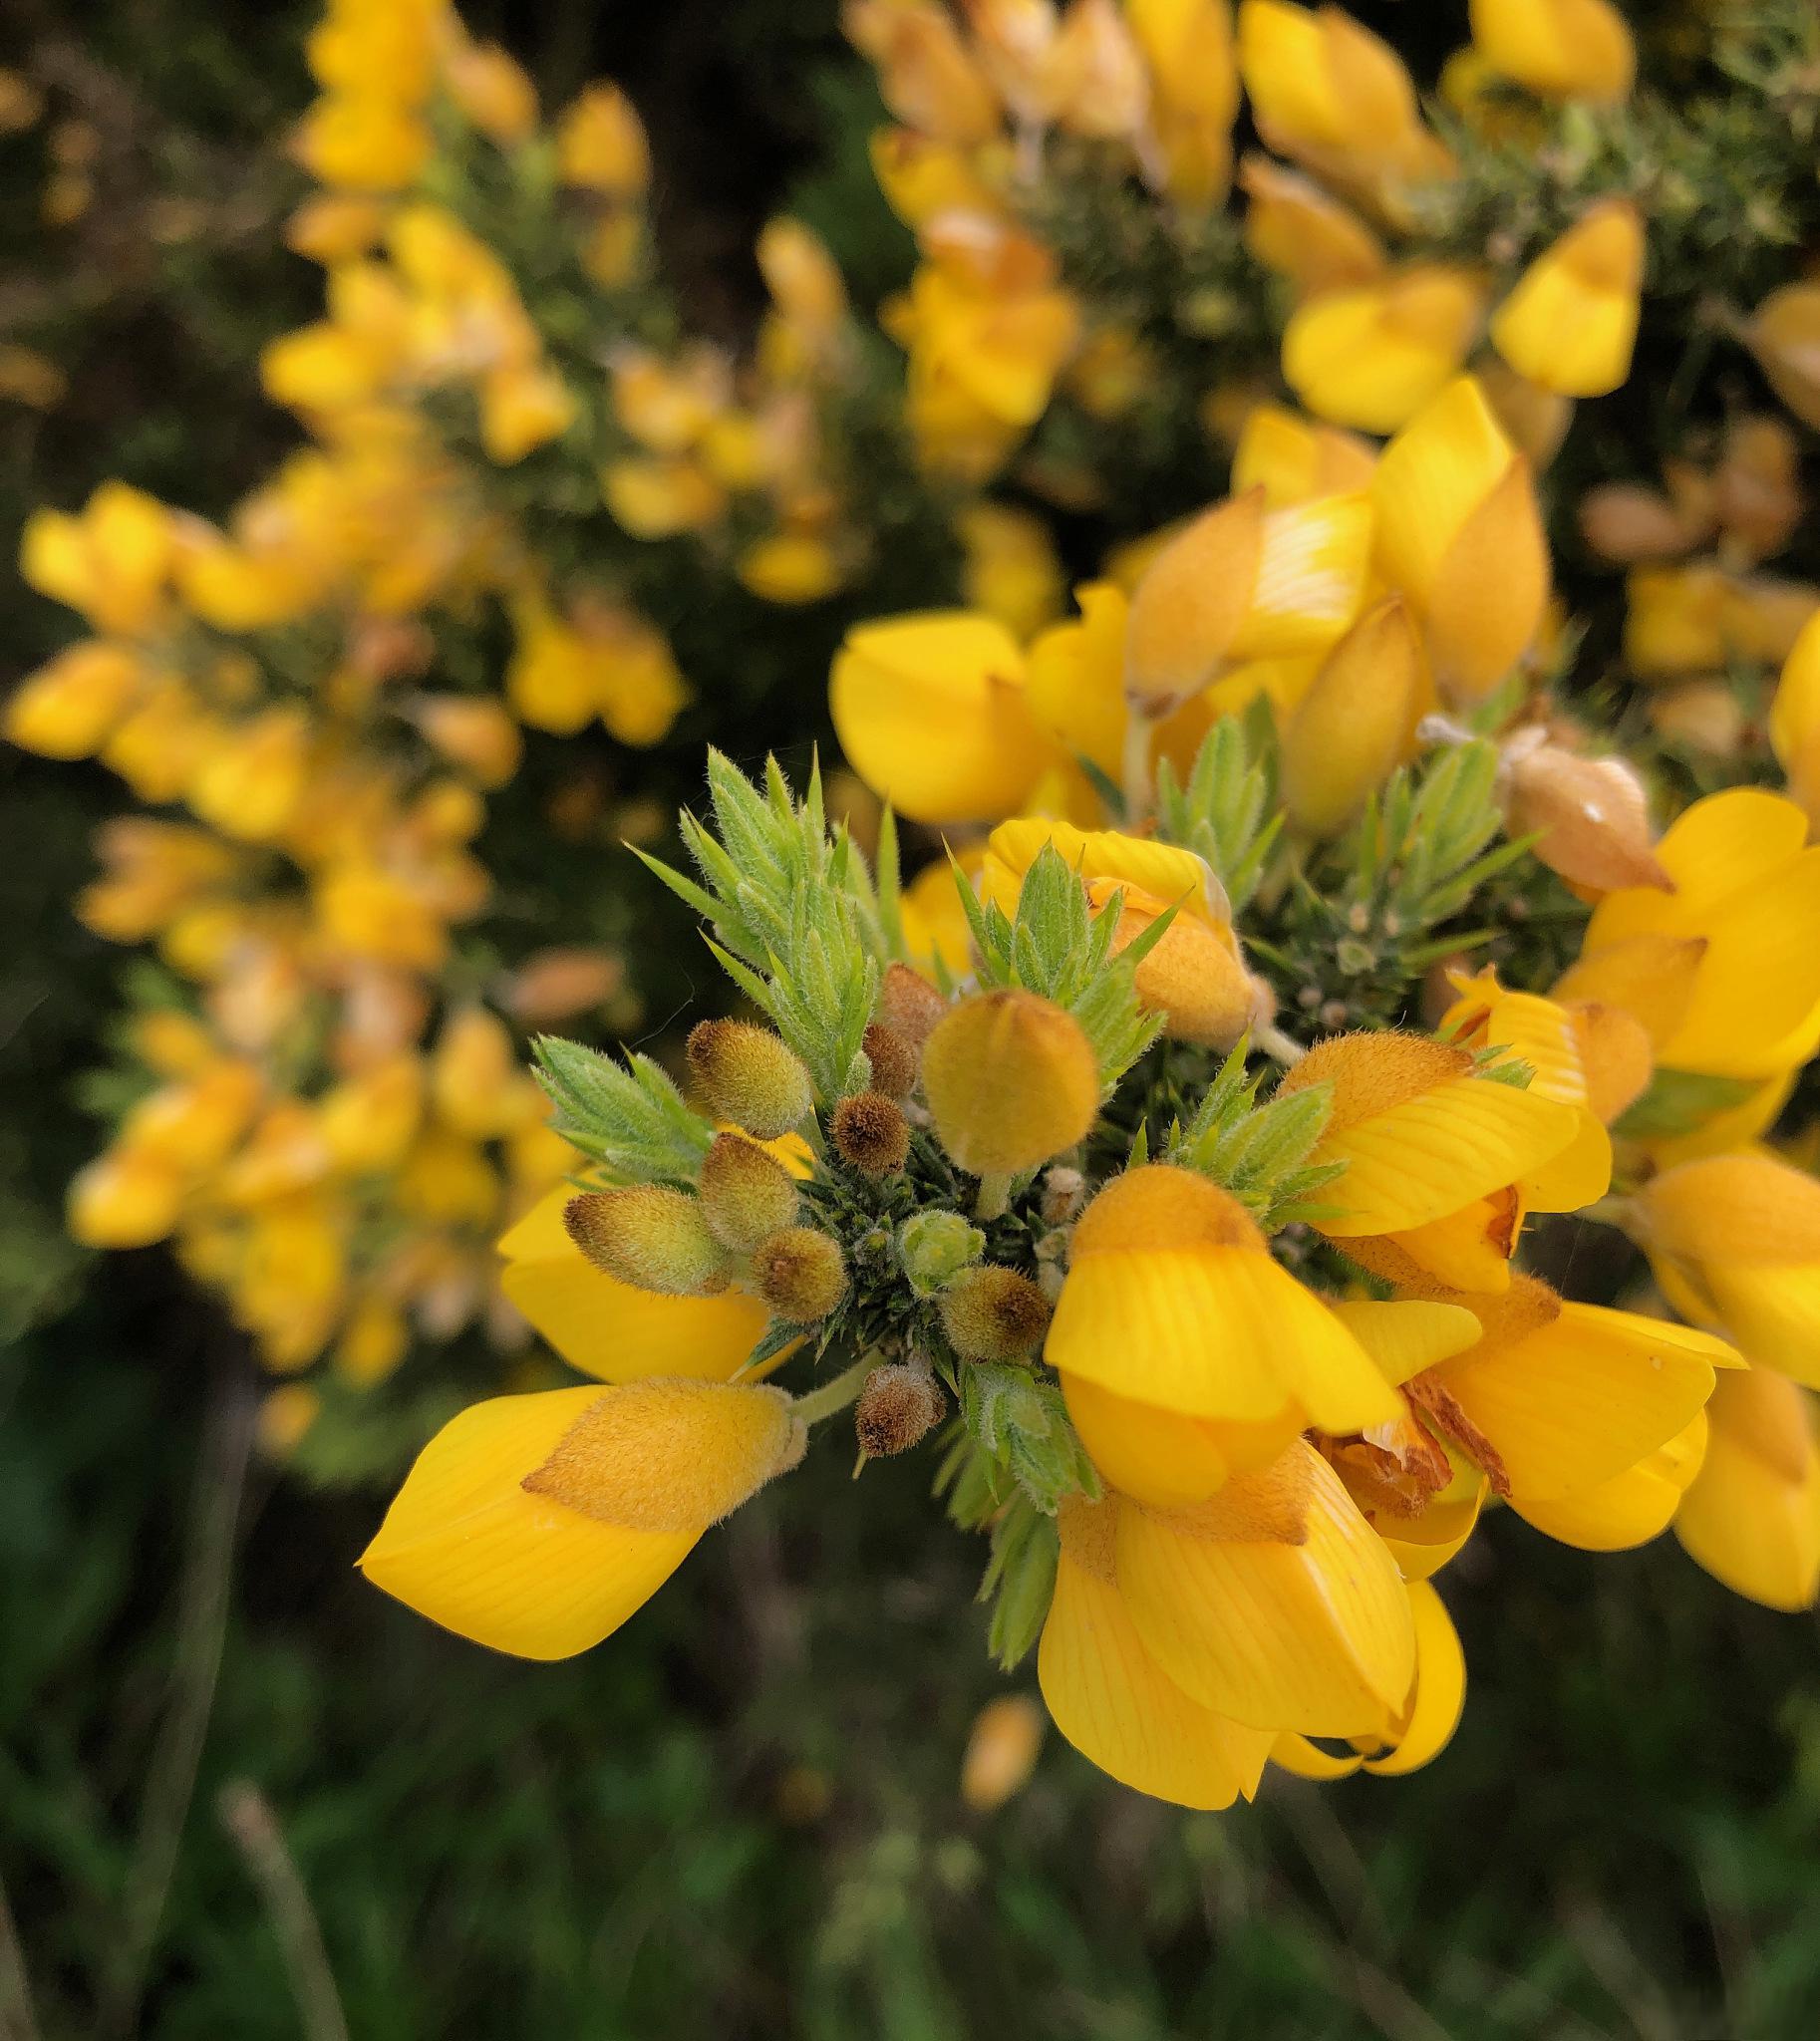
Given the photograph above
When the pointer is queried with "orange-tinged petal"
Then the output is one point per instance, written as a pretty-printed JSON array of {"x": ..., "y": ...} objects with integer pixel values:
[
  {"x": 1315, "y": 1637},
  {"x": 1116, "y": 1706},
  {"x": 1191, "y": 602}
]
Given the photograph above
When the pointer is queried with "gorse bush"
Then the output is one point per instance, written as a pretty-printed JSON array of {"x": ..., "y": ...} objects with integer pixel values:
[{"x": 1181, "y": 1060}]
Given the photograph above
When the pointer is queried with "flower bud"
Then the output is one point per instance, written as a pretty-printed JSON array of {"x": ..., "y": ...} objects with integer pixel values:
[
  {"x": 871, "y": 1133},
  {"x": 1624, "y": 522},
  {"x": 1571, "y": 323},
  {"x": 909, "y": 1006},
  {"x": 994, "y": 1314},
  {"x": 747, "y": 1195},
  {"x": 894, "y": 1059},
  {"x": 1011, "y": 1080},
  {"x": 1559, "y": 49},
  {"x": 1355, "y": 722},
  {"x": 651, "y": 1237},
  {"x": 935, "y": 1245},
  {"x": 800, "y": 1274},
  {"x": 1001, "y": 1751},
  {"x": 750, "y": 1076},
  {"x": 898, "y": 1407},
  {"x": 1591, "y": 817},
  {"x": 1784, "y": 335}
]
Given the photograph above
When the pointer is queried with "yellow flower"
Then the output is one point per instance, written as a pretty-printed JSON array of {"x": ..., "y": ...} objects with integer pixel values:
[
  {"x": 1303, "y": 232},
  {"x": 1371, "y": 354},
  {"x": 1273, "y": 1601},
  {"x": 111, "y": 561},
  {"x": 1736, "y": 1244},
  {"x": 1784, "y": 334},
  {"x": 930, "y": 712},
  {"x": 1243, "y": 582},
  {"x": 1195, "y": 975},
  {"x": 1571, "y": 323},
  {"x": 1575, "y": 1413},
  {"x": 925, "y": 74},
  {"x": 524, "y": 406},
  {"x": 67, "y": 708},
  {"x": 1752, "y": 1515},
  {"x": 538, "y": 1524},
  {"x": 1328, "y": 91},
  {"x": 1011, "y": 1080},
  {"x": 1560, "y": 49},
  {"x": 1746, "y": 886},
  {"x": 126, "y": 1199},
  {"x": 1632, "y": 1506},
  {"x": 601, "y": 146},
  {"x": 612, "y": 1329},
  {"x": 1187, "y": 1353},
  {"x": 1441, "y": 1163},
  {"x": 365, "y": 141},
  {"x": 1291, "y": 459},
  {"x": 1428, "y": 1720},
  {"x": 790, "y": 567},
  {"x": 1112, "y": 1700},
  {"x": 1459, "y": 531},
  {"x": 492, "y": 90},
  {"x": 1074, "y": 691},
  {"x": 1357, "y": 723},
  {"x": 1194, "y": 91},
  {"x": 1011, "y": 571},
  {"x": 1795, "y": 721}
]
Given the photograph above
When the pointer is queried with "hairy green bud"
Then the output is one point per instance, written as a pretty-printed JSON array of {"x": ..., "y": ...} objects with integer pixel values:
[
  {"x": 800, "y": 1274},
  {"x": 747, "y": 1195},
  {"x": 749, "y": 1075},
  {"x": 935, "y": 1247},
  {"x": 651, "y": 1237}
]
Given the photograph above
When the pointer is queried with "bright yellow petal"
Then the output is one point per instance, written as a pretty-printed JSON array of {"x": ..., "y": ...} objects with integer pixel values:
[
  {"x": 1118, "y": 1708},
  {"x": 1306, "y": 1760},
  {"x": 1160, "y": 1456},
  {"x": 466, "y": 1546},
  {"x": 1752, "y": 1515},
  {"x": 1440, "y": 1688},
  {"x": 1222, "y": 1333},
  {"x": 1315, "y": 1637},
  {"x": 1581, "y": 1399},
  {"x": 607, "y": 1328},
  {"x": 1631, "y": 1508},
  {"x": 1433, "y": 1154},
  {"x": 1408, "y": 1336}
]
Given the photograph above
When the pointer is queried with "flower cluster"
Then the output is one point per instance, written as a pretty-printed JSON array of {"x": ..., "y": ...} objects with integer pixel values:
[{"x": 1227, "y": 1368}]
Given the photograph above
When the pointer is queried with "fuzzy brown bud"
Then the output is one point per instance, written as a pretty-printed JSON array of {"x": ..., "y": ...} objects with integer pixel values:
[
  {"x": 992, "y": 1313},
  {"x": 747, "y": 1195},
  {"x": 909, "y": 1005},
  {"x": 894, "y": 1059},
  {"x": 800, "y": 1274},
  {"x": 871, "y": 1133},
  {"x": 1065, "y": 1191},
  {"x": 749, "y": 1075},
  {"x": 899, "y": 1405},
  {"x": 650, "y": 1237}
]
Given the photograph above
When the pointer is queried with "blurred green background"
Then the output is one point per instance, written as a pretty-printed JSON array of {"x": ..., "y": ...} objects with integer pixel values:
[{"x": 243, "y": 1796}]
